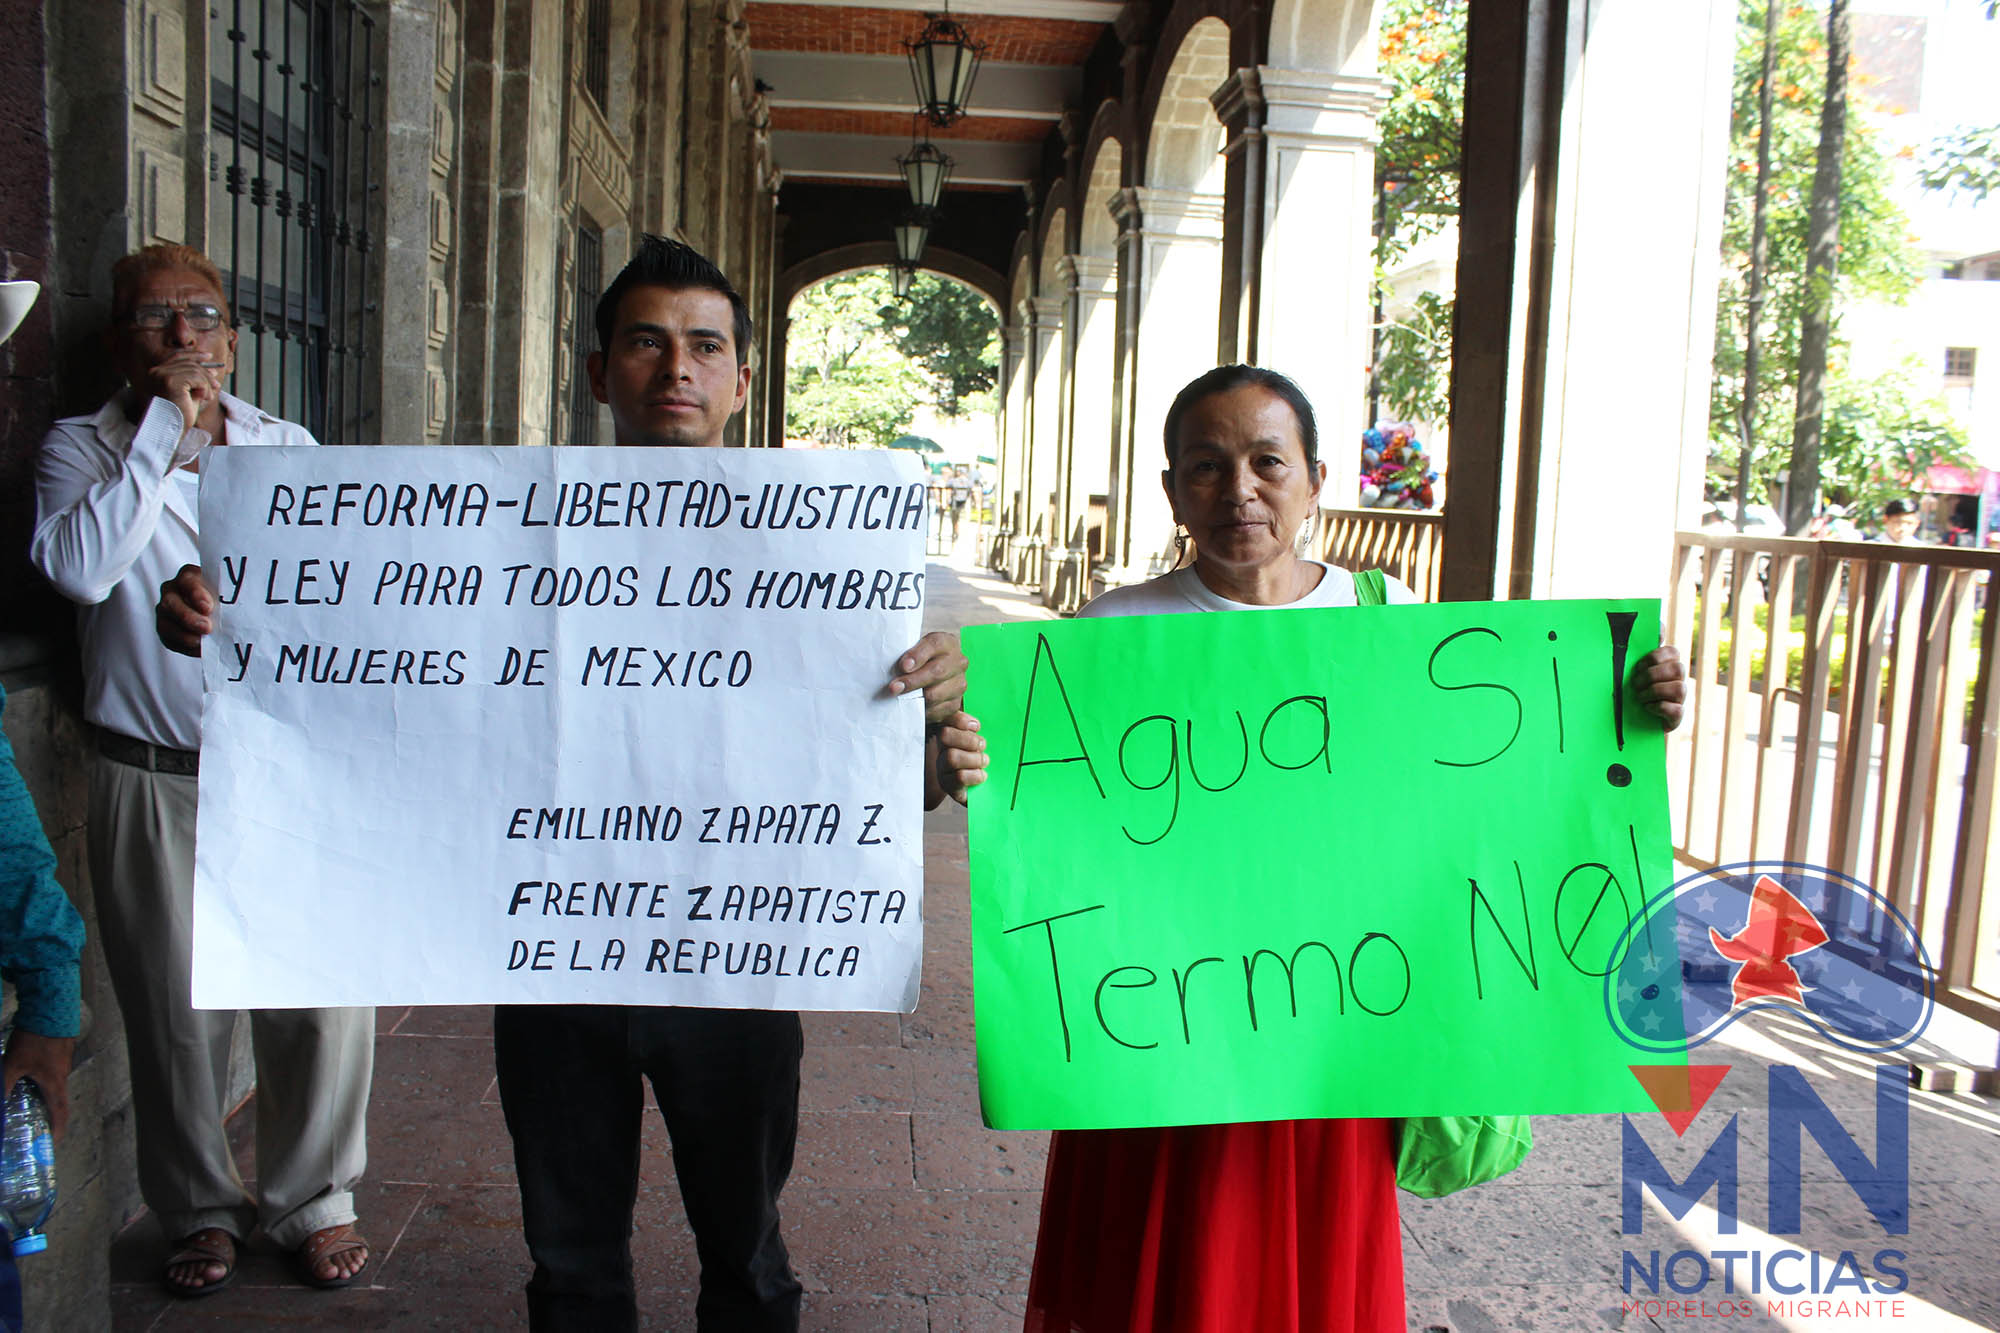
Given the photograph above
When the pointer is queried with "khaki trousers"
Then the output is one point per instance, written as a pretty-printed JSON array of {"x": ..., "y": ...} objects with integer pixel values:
[{"x": 313, "y": 1065}]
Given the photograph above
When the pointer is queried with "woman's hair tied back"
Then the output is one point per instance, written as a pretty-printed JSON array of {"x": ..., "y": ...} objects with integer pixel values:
[{"x": 1225, "y": 378}]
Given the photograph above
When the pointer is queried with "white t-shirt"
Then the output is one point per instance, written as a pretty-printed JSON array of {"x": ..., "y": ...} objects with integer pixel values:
[{"x": 1182, "y": 591}]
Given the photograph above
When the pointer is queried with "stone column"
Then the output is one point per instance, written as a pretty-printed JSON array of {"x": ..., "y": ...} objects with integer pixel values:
[
  {"x": 776, "y": 351},
  {"x": 778, "y": 332},
  {"x": 1171, "y": 242},
  {"x": 420, "y": 118},
  {"x": 1013, "y": 407},
  {"x": 1124, "y": 366},
  {"x": 1044, "y": 317},
  {"x": 1298, "y": 207},
  {"x": 1090, "y": 288},
  {"x": 767, "y": 380},
  {"x": 732, "y": 89},
  {"x": 527, "y": 129},
  {"x": 1558, "y": 330}
]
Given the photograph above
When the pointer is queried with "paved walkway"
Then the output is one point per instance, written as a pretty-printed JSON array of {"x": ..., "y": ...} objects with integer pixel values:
[{"x": 904, "y": 1215}]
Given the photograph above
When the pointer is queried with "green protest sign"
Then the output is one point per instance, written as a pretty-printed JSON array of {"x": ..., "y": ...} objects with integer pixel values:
[{"x": 1283, "y": 864}]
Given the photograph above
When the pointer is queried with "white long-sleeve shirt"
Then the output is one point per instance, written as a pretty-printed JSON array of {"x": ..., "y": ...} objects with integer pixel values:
[{"x": 112, "y": 523}]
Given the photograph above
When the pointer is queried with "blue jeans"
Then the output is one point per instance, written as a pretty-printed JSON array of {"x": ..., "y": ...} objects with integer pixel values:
[{"x": 727, "y": 1084}]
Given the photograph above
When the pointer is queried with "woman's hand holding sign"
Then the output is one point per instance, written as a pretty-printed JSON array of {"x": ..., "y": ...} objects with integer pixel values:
[
  {"x": 954, "y": 753},
  {"x": 1661, "y": 680},
  {"x": 961, "y": 761}
]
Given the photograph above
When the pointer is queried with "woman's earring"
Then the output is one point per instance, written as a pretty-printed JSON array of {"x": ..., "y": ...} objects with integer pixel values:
[{"x": 1308, "y": 531}]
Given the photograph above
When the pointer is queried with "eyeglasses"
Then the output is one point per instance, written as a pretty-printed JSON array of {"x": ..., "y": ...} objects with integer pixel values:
[{"x": 200, "y": 318}]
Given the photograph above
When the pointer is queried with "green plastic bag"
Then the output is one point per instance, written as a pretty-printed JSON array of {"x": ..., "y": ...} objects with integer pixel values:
[
  {"x": 1371, "y": 588},
  {"x": 1442, "y": 1154}
]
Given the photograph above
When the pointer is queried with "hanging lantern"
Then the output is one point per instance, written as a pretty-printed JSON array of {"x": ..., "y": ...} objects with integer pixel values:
[
  {"x": 900, "y": 277},
  {"x": 943, "y": 61},
  {"x": 911, "y": 235},
  {"x": 925, "y": 171}
]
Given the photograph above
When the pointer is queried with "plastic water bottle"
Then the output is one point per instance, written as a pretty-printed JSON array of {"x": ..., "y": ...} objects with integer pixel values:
[{"x": 27, "y": 1170}]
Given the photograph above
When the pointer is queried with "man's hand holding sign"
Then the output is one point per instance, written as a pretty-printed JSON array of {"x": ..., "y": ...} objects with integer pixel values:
[{"x": 476, "y": 702}]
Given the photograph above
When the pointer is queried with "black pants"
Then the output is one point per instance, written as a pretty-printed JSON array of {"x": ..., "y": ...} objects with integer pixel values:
[{"x": 727, "y": 1084}]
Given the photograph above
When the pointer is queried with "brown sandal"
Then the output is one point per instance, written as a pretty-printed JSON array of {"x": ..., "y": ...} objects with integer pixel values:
[
  {"x": 210, "y": 1245},
  {"x": 323, "y": 1247}
]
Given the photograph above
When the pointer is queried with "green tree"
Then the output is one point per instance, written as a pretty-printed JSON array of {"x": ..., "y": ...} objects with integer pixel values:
[
  {"x": 1881, "y": 437},
  {"x": 1822, "y": 270},
  {"x": 1413, "y": 360},
  {"x": 846, "y": 382},
  {"x": 954, "y": 335},
  {"x": 1876, "y": 260},
  {"x": 1422, "y": 61},
  {"x": 1966, "y": 162}
]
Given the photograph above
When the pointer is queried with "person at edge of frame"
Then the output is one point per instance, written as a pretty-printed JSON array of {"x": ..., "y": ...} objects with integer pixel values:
[
  {"x": 115, "y": 512},
  {"x": 673, "y": 365}
]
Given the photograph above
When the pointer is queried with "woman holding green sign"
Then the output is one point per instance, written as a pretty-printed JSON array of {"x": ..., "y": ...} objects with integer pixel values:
[{"x": 1284, "y": 1226}]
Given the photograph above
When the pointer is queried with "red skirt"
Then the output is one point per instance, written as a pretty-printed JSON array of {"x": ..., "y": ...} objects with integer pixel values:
[{"x": 1282, "y": 1227}]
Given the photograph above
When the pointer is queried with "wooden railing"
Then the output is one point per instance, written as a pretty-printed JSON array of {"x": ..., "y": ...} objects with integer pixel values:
[
  {"x": 1408, "y": 543},
  {"x": 1857, "y": 728}
]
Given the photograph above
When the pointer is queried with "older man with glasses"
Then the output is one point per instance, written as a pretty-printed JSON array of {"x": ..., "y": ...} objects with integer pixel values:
[{"x": 115, "y": 519}]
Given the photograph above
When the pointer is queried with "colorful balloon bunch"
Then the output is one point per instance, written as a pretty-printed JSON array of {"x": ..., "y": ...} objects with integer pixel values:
[{"x": 1396, "y": 473}]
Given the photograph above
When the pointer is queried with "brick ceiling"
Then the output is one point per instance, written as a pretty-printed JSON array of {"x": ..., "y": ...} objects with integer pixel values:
[
  {"x": 837, "y": 29},
  {"x": 899, "y": 125},
  {"x": 838, "y": 83}
]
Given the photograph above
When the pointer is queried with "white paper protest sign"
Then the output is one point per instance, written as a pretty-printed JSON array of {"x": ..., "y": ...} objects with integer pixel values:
[{"x": 559, "y": 725}]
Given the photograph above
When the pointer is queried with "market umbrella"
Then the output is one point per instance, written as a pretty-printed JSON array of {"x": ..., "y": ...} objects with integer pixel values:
[{"x": 920, "y": 443}]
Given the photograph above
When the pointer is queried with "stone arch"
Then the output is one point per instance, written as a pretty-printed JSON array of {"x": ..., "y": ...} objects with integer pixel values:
[
  {"x": 1048, "y": 283},
  {"x": 880, "y": 254},
  {"x": 1097, "y": 230},
  {"x": 786, "y": 287},
  {"x": 1337, "y": 36},
  {"x": 1184, "y": 137},
  {"x": 1021, "y": 275},
  {"x": 1144, "y": 101},
  {"x": 1056, "y": 223}
]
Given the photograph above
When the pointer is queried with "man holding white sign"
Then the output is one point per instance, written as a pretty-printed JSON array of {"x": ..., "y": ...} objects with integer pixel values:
[
  {"x": 674, "y": 336},
  {"x": 115, "y": 498}
]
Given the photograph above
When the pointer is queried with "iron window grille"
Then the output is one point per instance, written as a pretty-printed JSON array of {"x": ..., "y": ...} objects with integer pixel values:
[
  {"x": 597, "y": 51},
  {"x": 291, "y": 97}
]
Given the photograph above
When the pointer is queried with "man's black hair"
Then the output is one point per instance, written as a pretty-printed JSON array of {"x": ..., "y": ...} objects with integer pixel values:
[
  {"x": 1898, "y": 508},
  {"x": 661, "y": 262},
  {"x": 1224, "y": 378}
]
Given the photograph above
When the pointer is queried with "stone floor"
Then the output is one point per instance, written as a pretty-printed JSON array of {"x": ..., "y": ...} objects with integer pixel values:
[{"x": 904, "y": 1214}]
